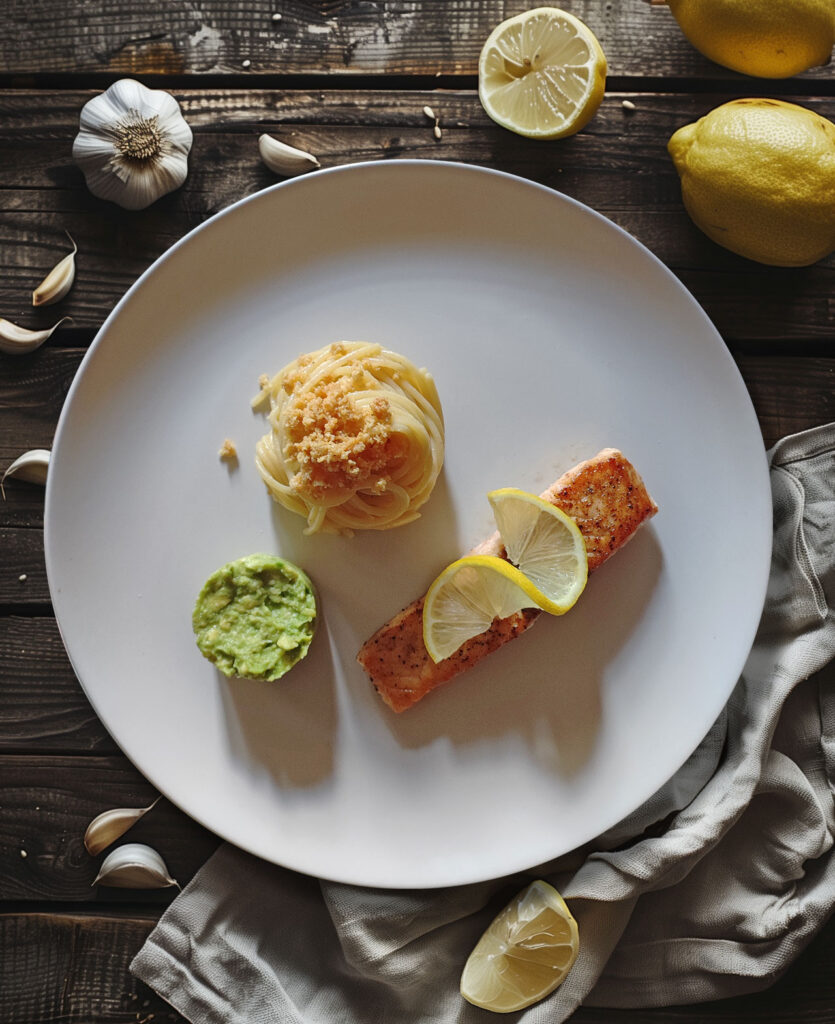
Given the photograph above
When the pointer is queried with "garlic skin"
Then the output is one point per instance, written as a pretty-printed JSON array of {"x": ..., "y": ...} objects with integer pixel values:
[
  {"x": 15, "y": 340},
  {"x": 134, "y": 866},
  {"x": 58, "y": 281},
  {"x": 109, "y": 826},
  {"x": 30, "y": 466},
  {"x": 284, "y": 159},
  {"x": 133, "y": 144}
]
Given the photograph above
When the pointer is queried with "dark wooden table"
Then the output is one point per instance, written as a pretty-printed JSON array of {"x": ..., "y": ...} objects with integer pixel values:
[{"x": 348, "y": 80}]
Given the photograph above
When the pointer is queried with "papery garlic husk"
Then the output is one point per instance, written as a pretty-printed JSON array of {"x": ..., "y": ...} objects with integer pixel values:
[
  {"x": 134, "y": 866},
  {"x": 284, "y": 159},
  {"x": 58, "y": 281},
  {"x": 16, "y": 340},
  {"x": 109, "y": 826},
  {"x": 133, "y": 144},
  {"x": 30, "y": 466}
]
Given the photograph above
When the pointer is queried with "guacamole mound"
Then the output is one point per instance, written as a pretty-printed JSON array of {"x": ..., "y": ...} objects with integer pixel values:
[{"x": 255, "y": 617}]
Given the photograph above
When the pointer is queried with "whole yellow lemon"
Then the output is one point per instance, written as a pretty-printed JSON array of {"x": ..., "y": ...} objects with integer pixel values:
[
  {"x": 766, "y": 38},
  {"x": 758, "y": 177}
]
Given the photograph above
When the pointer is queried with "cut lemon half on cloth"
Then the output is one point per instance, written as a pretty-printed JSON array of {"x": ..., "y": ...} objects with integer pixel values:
[
  {"x": 469, "y": 594},
  {"x": 542, "y": 74},
  {"x": 524, "y": 954}
]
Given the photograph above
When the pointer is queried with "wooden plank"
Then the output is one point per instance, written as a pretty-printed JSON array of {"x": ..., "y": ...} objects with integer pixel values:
[
  {"x": 23, "y": 572},
  {"x": 32, "y": 392},
  {"x": 72, "y": 968},
  {"x": 60, "y": 968},
  {"x": 790, "y": 394},
  {"x": 42, "y": 705},
  {"x": 400, "y": 37},
  {"x": 618, "y": 165},
  {"x": 47, "y": 804}
]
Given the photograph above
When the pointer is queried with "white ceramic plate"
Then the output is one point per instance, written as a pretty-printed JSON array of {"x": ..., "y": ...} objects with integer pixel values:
[{"x": 551, "y": 334}]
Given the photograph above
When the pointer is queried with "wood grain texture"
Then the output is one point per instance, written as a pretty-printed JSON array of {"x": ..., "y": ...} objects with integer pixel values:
[
  {"x": 346, "y": 79},
  {"x": 618, "y": 165},
  {"x": 47, "y": 804},
  {"x": 383, "y": 37},
  {"x": 72, "y": 968},
  {"x": 42, "y": 705}
]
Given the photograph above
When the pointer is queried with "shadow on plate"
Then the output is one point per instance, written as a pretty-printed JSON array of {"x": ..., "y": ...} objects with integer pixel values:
[
  {"x": 286, "y": 727},
  {"x": 545, "y": 686}
]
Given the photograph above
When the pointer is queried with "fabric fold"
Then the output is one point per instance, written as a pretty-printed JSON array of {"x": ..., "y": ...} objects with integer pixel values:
[{"x": 710, "y": 889}]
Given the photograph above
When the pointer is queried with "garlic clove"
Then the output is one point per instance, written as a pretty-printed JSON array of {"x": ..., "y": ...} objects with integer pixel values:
[
  {"x": 16, "y": 340},
  {"x": 134, "y": 866},
  {"x": 31, "y": 466},
  {"x": 284, "y": 159},
  {"x": 109, "y": 826},
  {"x": 133, "y": 144},
  {"x": 58, "y": 281}
]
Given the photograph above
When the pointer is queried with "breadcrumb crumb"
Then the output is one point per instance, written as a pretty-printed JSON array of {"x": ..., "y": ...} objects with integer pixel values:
[
  {"x": 228, "y": 450},
  {"x": 338, "y": 441}
]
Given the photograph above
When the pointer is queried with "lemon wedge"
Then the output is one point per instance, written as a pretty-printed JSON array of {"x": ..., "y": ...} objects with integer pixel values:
[
  {"x": 544, "y": 543},
  {"x": 542, "y": 74},
  {"x": 468, "y": 595},
  {"x": 524, "y": 954}
]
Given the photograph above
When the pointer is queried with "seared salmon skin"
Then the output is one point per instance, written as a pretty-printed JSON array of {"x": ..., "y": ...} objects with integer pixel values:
[{"x": 606, "y": 498}]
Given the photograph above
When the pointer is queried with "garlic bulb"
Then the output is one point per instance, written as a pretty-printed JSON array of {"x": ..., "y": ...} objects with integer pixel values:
[{"x": 133, "y": 144}]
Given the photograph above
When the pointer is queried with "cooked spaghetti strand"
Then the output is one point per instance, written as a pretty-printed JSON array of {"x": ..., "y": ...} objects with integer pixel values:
[{"x": 356, "y": 439}]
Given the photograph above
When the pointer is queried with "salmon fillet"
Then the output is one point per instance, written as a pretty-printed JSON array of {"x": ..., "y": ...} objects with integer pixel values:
[{"x": 607, "y": 499}]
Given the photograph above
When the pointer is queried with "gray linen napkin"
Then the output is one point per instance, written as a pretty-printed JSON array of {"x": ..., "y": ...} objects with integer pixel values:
[{"x": 710, "y": 889}]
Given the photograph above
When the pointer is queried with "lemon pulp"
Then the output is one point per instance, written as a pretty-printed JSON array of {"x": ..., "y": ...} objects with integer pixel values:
[
  {"x": 544, "y": 543},
  {"x": 542, "y": 74},
  {"x": 524, "y": 954},
  {"x": 551, "y": 573}
]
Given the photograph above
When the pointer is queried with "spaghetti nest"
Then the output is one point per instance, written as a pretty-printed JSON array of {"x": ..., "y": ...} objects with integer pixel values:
[{"x": 357, "y": 438}]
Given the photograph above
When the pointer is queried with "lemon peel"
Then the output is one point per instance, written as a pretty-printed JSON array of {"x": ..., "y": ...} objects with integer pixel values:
[
  {"x": 758, "y": 177},
  {"x": 765, "y": 38}
]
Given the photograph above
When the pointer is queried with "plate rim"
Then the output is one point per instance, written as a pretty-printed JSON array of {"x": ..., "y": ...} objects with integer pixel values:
[{"x": 358, "y": 168}]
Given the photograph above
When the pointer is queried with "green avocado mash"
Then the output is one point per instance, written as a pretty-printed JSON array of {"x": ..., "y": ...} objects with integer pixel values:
[{"x": 255, "y": 617}]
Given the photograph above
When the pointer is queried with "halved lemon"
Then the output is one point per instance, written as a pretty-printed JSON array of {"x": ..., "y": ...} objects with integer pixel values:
[
  {"x": 542, "y": 74},
  {"x": 544, "y": 543},
  {"x": 524, "y": 954}
]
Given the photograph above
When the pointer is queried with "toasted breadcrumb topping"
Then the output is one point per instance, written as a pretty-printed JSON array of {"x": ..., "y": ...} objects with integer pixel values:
[
  {"x": 228, "y": 450},
  {"x": 339, "y": 441}
]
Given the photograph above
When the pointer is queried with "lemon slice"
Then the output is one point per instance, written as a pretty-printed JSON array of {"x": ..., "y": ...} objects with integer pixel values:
[
  {"x": 466, "y": 597},
  {"x": 524, "y": 954},
  {"x": 545, "y": 543},
  {"x": 542, "y": 74},
  {"x": 550, "y": 553}
]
